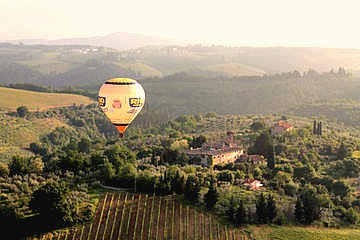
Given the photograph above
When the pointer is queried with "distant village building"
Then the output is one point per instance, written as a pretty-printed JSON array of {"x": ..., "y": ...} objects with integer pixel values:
[
  {"x": 210, "y": 155},
  {"x": 254, "y": 159},
  {"x": 279, "y": 128}
]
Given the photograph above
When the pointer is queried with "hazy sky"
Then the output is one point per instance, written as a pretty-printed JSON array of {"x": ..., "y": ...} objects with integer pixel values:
[{"x": 319, "y": 23}]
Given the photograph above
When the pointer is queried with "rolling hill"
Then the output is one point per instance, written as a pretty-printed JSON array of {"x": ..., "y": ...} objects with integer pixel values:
[
  {"x": 119, "y": 40},
  {"x": 55, "y": 64},
  {"x": 161, "y": 50},
  {"x": 13, "y": 98},
  {"x": 16, "y": 133},
  {"x": 194, "y": 78}
]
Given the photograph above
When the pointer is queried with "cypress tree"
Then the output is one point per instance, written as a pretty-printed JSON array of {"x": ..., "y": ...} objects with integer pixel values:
[
  {"x": 240, "y": 215},
  {"x": 271, "y": 208},
  {"x": 315, "y": 128},
  {"x": 192, "y": 188},
  {"x": 211, "y": 197},
  {"x": 230, "y": 212},
  {"x": 261, "y": 209},
  {"x": 299, "y": 211}
]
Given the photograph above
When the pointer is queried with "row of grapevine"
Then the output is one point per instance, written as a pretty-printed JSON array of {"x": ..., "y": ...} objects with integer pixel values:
[{"x": 122, "y": 215}]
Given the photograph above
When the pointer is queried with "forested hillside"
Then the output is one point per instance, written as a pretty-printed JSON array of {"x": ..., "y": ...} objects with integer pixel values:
[
  {"x": 309, "y": 175},
  {"x": 184, "y": 93}
]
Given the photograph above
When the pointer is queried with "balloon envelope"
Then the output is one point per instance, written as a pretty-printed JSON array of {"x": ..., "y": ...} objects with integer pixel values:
[{"x": 121, "y": 99}]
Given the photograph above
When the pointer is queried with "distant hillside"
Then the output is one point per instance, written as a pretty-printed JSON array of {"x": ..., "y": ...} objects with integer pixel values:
[
  {"x": 266, "y": 59},
  {"x": 88, "y": 74},
  {"x": 13, "y": 98},
  {"x": 14, "y": 72},
  {"x": 345, "y": 111},
  {"x": 120, "y": 41},
  {"x": 80, "y": 65},
  {"x": 183, "y": 93}
]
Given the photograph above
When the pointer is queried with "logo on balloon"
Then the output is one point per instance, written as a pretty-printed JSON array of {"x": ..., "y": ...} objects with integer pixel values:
[
  {"x": 136, "y": 102},
  {"x": 132, "y": 111},
  {"x": 102, "y": 101},
  {"x": 116, "y": 104}
]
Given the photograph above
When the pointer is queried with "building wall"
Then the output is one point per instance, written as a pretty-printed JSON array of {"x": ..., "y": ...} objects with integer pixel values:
[
  {"x": 222, "y": 157},
  {"x": 226, "y": 157},
  {"x": 277, "y": 130}
]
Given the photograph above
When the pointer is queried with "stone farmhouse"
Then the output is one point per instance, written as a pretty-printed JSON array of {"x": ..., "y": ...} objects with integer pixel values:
[
  {"x": 210, "y": 155},
  {"x": 279, "y": 128}
]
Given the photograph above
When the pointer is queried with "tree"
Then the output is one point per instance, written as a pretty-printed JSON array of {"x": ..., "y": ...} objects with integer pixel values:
[
  {"x": 97, "y": 159},
  {"x": 119, "y": 156},
  {"x": 261, "y": 209},
  {"x": 211, "y": 197},
  {"x": 19, "y": 165},
  {"x": 340, "y": 188},
  {"x": 306, "y": 172},
  {"x": 8, "y": 219},
  {"x": 307, "y": 208},
  {"x": 177, "y": 183},
  {"x": 320, "y": 128},
  {"x": 84, "y": 145},
  {"x": 36, "y": 165},
  {"x": 192, "y": 188},
  {"x": 225, "y": 176},
  {"x": 271, "y": 161},
  {"x": 343, "y": 151},
  {"x": 197, "y": 142},
  {"x": 271, "y": 208},
  {"x": 37, "y": 148},
  {"x": 240, "y": 215},
  {"x": 107, "y": 171},
  {"x": 299, "y": 211},
  {"x": 73, "y": 160},
  {"x": 22, "y": 111},
  {"x": 351, "y": 216},
  {"x": 258, "y": 125},
  {"x": 315, "y": 130},
  {"x": 344, "y": 169},
  {"x": 4, "y": 170},
  {"x": 50, "y": 202},
  {"x": 264, "y": 146},
  {"x": 163, "y": 185},
  {"x": 230, "y": 212}
]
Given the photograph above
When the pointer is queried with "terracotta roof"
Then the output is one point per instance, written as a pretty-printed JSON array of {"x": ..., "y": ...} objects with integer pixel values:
[{"x": 283, "y": 124}]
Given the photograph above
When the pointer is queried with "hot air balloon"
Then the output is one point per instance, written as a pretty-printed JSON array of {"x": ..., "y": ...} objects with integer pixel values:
[{"x": 121, "y": 99}]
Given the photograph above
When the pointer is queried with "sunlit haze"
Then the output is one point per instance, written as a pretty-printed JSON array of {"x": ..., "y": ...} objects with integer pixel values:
[{"x": 305, "y": 23}]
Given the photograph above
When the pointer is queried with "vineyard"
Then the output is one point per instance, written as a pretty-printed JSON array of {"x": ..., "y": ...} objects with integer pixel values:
[{"x": 124, "y": 215}]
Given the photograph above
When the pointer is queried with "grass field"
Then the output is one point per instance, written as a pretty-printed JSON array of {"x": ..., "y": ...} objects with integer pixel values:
[
  {"x": 13, "y": 98},
  {"x": 17, "y": 133},
  {"x": 235, "y": 69},
  {"x": 266, "y": 232}
]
